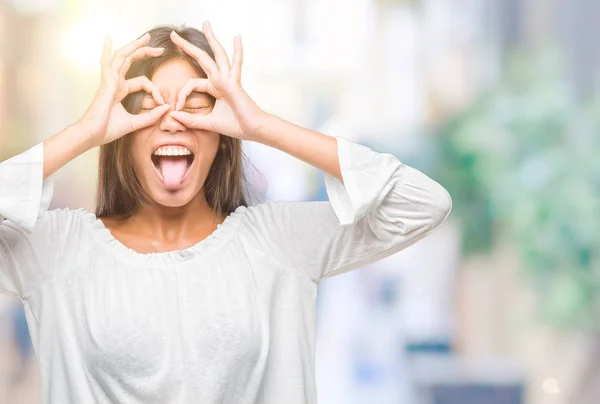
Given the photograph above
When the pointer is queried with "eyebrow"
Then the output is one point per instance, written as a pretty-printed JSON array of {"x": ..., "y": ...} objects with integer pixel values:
[
  {"x": 192, "y": 95},
  {"x": 195, "y": 94}
]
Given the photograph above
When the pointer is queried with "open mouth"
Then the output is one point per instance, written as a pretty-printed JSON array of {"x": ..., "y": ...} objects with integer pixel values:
[{"x": 172, "y": 164}]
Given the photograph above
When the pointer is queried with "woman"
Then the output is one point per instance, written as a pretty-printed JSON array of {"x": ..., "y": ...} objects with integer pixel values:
[{"x": 177, "y": 291}]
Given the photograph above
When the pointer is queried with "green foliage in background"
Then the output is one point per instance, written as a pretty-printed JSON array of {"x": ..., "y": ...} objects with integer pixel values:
[{"x": 523, "y": 165}]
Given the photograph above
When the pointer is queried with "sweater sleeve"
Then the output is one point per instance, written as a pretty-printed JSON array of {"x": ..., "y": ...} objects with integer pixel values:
[
  {"x": 382, "y": 207},
  {"x": 25, "y": 228}
]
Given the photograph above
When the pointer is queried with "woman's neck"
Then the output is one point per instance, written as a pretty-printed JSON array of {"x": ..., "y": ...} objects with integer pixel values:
[{"x": 156, "y": 228}]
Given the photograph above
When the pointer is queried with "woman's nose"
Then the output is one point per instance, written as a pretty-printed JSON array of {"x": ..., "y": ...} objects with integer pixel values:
[{"x": 170, "y": 124}]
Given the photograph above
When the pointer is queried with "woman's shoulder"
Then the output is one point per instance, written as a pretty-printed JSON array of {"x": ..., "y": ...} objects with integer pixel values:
[
  {"x": 55, "y": 231},
  {"x": 72, "y": 227},
  {"x": 66, "y": 219},
  {"x": 112, "y": 222},
  {"x": 279, "y": 214},
  {"x": 66, "y": 213}
]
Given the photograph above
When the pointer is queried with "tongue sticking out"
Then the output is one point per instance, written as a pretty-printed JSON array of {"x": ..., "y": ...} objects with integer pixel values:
[{"x": 173, "y": 169}]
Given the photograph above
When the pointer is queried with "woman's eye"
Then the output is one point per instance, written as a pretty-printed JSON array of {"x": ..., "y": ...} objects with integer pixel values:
[{"x": 192, "y": 110}]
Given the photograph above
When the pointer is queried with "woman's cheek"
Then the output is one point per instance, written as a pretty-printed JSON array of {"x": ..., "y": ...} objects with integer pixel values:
[{"x": 138, "y": 164}]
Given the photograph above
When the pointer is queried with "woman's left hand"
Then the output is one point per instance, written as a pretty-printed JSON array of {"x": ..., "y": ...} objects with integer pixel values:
[{"x": 234, "y": 114}]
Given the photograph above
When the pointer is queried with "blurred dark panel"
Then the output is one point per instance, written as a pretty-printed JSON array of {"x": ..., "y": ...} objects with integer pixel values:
[
  {"x": 476, "y": 394},
  {"x": 511, "y": 18},
  {"x": 446, "y": 379},
  {"x": 578, "y": 23},
  {"x": 573, "y": 24}
]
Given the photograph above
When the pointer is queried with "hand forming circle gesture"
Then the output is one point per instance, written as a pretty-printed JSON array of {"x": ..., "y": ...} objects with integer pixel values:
[
  {"x": 234, "y": 114},
  {"x": 106, "y": 119}
]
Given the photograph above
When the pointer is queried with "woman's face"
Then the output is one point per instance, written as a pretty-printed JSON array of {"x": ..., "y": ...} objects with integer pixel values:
[{"x": 171, "y": 161}]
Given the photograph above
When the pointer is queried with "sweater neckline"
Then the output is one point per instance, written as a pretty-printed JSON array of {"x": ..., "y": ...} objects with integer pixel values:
[{"x": 223, "y": 232}]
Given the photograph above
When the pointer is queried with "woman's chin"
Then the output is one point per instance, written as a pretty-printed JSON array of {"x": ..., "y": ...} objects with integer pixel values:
[{"x": 172, "y": 198}]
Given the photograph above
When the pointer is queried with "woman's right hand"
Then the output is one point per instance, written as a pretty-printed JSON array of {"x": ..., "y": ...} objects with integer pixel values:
[{"x": 106, "y": 119}]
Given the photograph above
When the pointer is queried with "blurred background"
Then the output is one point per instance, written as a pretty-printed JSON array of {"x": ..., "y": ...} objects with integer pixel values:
[{"x": 495, "y": 99}]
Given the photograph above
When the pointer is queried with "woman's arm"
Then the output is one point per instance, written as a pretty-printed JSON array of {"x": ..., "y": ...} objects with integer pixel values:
[
  {"x": 382, "y": 207},
  {"x": 106, "y": 119},
  {"x": 29, "y": 234},
  {"x": 64, "y": 147},
  {"x": 312, "y": 147},
  {"x": 378, "y": 205}
]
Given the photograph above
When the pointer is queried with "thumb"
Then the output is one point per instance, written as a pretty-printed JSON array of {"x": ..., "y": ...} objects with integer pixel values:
[
  {"x": 149, "y": 118},
  {"x": 193, "y": 121}
]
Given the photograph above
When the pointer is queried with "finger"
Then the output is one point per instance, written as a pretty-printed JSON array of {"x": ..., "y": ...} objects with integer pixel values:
[
  {"x": 192, "y": 121},
  {"x": 106, "y": 56},
  {"x": 106, "y": 53},
  {"x": 149, "y": 118},
  {"x": 143, "y": 83},
  {"x": 140, "y": 53},
  {"x": 204, "y": 60},
  {"x": 198, "y": 85},
  {"x": 238, "y": 59},
  {"x": 128, "y": 49},
  {"x": 220, "y": 54}
]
